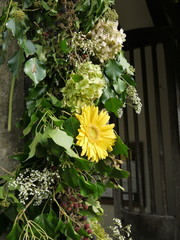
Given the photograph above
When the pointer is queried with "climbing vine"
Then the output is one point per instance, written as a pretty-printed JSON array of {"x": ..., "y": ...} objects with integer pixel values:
[{"x": 72, "y": 52}]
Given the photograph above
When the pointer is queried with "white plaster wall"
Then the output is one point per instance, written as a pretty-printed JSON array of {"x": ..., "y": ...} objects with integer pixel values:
[{"x": 133, "y": 14}]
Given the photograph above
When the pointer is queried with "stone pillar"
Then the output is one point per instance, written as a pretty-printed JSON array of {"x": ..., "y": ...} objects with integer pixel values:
[{"x": 9, "y": 141}]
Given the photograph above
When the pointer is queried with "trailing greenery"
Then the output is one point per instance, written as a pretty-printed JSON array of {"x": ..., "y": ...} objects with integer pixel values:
[{"x": 71, "y": 152}]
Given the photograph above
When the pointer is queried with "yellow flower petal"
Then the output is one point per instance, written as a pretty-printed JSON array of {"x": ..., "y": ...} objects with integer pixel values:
[{"x": 96, "y": 136}]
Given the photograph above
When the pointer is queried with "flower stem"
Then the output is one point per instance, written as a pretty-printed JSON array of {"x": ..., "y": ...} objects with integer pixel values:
[{"x": 11, "y": 104}]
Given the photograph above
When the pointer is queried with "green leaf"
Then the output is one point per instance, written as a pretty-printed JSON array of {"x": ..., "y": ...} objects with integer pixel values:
[
  {"x": 55, "y": 149},
  {"x": 48, "y": 222},
  {"x": 55, "y": 101},
  {"x": 17, "y": 28},
  {"x": 71, "y": 177},
  {"x": 83, "y": 164},
  {"x": 15, "y": 63},
  {"x": 126, "y": 66},
  {"x": 61, "y": 138},
  {"x": 113, "y": 104},
  {"x": 45, "y": 5},
  {"x": 63, "y": 46},
  {"x": 70, "y": 232},
  {"x": 35, "y": 70},
  {"x": 34, "y": 119},
  {"x": 57, "y": 122},
  {"x": 107, "y": 93},
  {"x": 27, "y": 3},
  {"x": 6, "y": 177},
  {"x": 128, "y": 79},
  {"x": 37, "y": 139},
  {"x": 113, "y": 70},
  {"x": 71, "y": 126},
  {"x": 2, "y": 192},
  {"x": 71, "y": 153},
  {"x": 119, "y": 86},
  {"x": 37, "y": 92},
  {"x": 120, "y": 148},
  {"x": 86, "y": 187},
  {"x": 31, "y": 106},
  {"x": 100, "y": 189},
  {"x": 103, "y": 168},
  {"x": 11, "y": 195},
  {"x": 118, "y": 173},
  {"x": 29, "y": 47},
  {"x": 41, "y": 53},
  {"x": 112, "y": 172},
  {"x": 11, "y": 212},
  {"x": 77, "y": 78},
  {"x": 15, "y": 232},
  {"x": 82, "y": 232}
]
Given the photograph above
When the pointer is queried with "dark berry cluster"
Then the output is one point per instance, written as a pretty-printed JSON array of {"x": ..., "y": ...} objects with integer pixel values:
[
  {"x": 73, "y": 203},
  {"x": 66, "y": 16}
]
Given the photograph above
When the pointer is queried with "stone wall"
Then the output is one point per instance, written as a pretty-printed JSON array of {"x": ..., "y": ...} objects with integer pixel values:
[{"x": 10, "y": 142}]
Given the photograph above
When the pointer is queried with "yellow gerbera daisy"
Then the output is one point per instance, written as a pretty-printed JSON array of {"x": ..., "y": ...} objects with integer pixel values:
[{"x": 96, "y": 137}]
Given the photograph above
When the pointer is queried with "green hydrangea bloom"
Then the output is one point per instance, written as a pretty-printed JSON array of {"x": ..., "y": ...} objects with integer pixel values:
[{"x": 83, "y": 87}]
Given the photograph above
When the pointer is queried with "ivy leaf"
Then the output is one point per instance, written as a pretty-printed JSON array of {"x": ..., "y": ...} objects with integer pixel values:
[
  {"x": 126, "y": 66},
  {"x": 34, "y": 119},
  {"x": 119, "y": 86},
  {"x": 11, "y": 195},
  {"x": 29, "y": 47},
  {"x": 57, "y": 122},
  {"x": 37, "y": 92},
  {"x": 71, "y": 153},
  {"x": 128, "y": 79},
  {"x": 15, "y": 63},
  {"x": 86, "y": 188},
  {"x": 41, "y": 53},
  {"x": 71, "y": 126},
  {"x": 61, "y": 138},
  {"x": 113, "y": 104},
  {"x": 15, "y": 232},
  {"x": 16, "y": 27},
  {"x": 120, "y": 148},
  {"x": 107, "y": 93},
  {"x": 100, "y": 189},
  {"x": 63, "y": 46},
  {"x": 33, "y": 145},
  {"x": 35, "y": 70},
  {"x": 70, "y": 176},
  {"x": 27, "y": 3},
  {"x": 118, "y": 173},
  {"x": 45, "y": 5},
  {"x": 48, "y": 222},
  {"x": 55, "y": 101},
  {"x": 83, "y": 164},
  {"x": 113, "y": 70},
  {"x": 2, "y": 193},
  {"x": 69, "y": 232}
]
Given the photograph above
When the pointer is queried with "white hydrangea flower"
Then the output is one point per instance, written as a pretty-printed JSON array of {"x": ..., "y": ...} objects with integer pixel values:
[{"x": 107, "y": 39}]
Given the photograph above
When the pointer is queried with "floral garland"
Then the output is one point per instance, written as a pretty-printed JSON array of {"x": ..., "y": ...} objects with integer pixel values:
[{"x": 72, "y": 52}]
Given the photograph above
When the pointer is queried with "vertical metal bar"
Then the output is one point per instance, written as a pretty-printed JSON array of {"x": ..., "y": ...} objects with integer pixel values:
[
  {"x": 126, "y": 131},
  {"x": 137, "y": 150},
  {"x": 148, "y": 131},
  {"x": 159, "y": 129},
  {"x": 117, "y": 193},
  {"x": 172, "y": 60}
]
